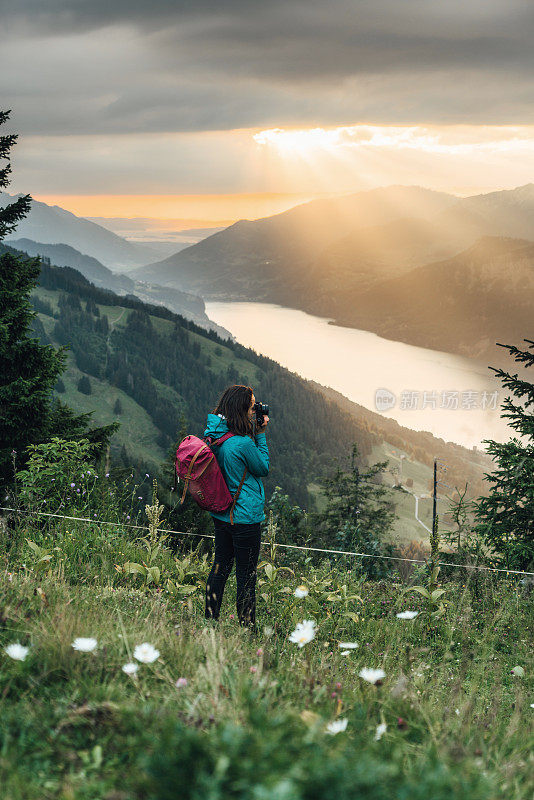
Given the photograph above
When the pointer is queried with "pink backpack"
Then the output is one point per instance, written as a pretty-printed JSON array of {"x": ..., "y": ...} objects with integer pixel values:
[{"x": 197, "y": 466}]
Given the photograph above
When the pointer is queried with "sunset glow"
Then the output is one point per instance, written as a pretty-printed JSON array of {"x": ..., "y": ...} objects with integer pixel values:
[
  {"x": 448, "y": 140},
  {"x": 184, "y": 210},
  {"x": 256, "y": 173}
]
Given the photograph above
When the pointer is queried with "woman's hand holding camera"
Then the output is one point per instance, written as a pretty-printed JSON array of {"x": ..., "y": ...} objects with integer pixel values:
[{"x": 263, "y": 428}]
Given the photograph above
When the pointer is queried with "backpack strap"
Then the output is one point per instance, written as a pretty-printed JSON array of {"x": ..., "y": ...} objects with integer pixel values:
[
  {"x": 219, "y": 441},
  {"x": 187, "y": 477},
  {"x": 236, "y": 495}
]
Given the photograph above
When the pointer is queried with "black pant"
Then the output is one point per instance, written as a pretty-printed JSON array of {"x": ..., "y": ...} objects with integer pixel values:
[{"x": 242, "y": 542}]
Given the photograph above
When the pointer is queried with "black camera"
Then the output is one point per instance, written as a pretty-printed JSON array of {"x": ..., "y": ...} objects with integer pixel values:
[{"x": 261, "y": 410}]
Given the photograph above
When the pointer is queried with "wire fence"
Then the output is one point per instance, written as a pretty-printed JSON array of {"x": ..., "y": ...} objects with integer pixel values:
[{"x": 278, "y": 544}]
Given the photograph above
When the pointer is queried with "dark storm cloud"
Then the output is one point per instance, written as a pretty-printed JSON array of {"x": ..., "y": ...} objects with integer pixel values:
[
  {"x": 212, "y": 64},
  {"x": 299, "y": 39}
]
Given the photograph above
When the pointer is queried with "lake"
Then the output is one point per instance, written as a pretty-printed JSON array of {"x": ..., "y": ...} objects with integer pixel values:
[{"x": 457, "y": 399}]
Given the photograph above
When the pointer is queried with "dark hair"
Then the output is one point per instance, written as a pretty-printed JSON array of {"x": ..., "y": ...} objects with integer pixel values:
[{"x": 234, "y": 405}]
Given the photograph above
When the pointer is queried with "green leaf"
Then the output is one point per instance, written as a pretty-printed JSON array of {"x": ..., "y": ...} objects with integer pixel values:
[
  {"x": 436, "y": 594},
  {"x": 131, "y": 566},
  {"x": 420, "y": 590},
  {"x": 35, "y": 547},
  {"x": 97, "y": 756},
  {"x": 185, "y": 590},
  {"x": 154, "y": 574}
]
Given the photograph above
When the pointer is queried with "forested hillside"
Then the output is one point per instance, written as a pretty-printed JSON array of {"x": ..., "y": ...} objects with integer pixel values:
[{"x": 175, "y": 371}]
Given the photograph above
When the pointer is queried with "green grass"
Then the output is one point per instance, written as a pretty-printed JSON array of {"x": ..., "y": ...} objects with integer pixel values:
[
  {"x": 407, "y": 528},
  {"x": 251, "y": 723}
]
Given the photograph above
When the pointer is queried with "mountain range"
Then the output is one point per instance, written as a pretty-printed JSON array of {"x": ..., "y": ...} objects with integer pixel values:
[
  {"x": 56, "y": 225},
  {"x": 340, "y": 258}
]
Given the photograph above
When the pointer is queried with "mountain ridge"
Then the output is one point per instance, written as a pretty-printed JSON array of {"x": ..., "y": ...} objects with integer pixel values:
[
  {"x": 56, "y": 225},
  {"x": 330, "y": 275}
]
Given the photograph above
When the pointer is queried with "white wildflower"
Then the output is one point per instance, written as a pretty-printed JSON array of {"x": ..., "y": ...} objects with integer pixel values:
[
  {"x": 303, "y": 633},
  {"x": 84, "y": 645},
  {"x": 301, "y": 591},
  {"x": 146, "y": 653},
  {"x": 380, "y": 731},
  {"x": 130, "y": 668},
  {"x": 407, "y": 614},
  {"x": 16, "y": 651},
  {"x": 372, "y": 675},
  {"x": 336, "y": 726}
]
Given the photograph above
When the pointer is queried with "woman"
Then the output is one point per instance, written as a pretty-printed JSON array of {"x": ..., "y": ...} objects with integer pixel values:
[{"x": 235, "y": 414}]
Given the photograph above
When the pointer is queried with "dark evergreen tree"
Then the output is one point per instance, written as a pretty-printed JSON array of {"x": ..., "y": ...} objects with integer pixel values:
[
  {"x": 84, "y": 385},
  {"x": 505, "y": 518},
  {"x": 117, "y": 408},
  {"x": 42, "y": 306},
  {"x": 288, "y": 517},
  {"x": 28, "y": 369},
  {"x": 60, "y": 386},
  {"x": 11, "y": 214},
  {"x": 124, "y": 457},
  {"x": 92, "y": 308},
  {"x": 358, "y": 516}
]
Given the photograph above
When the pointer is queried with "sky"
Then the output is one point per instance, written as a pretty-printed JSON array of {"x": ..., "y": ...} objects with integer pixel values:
[{"x": 209, "y": 111}]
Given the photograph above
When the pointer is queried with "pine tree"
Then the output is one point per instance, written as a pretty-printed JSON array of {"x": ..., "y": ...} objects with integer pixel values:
[
  {"x": 84, "y": 385},
  {"x": 505, "y": 519},
  {"x": 29, "y": 370},
  {"x": 358, "y": 516},
  {"x": 11, "y": 214},
  {"x": 117, "y": 408}
]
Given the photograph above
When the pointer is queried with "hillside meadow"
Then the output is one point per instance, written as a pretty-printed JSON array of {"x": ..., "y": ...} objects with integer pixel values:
[{"x": 115, "y": 686}]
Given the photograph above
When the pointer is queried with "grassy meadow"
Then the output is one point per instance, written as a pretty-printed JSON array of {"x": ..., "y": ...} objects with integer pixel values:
[{"x": 216, "y": 711}]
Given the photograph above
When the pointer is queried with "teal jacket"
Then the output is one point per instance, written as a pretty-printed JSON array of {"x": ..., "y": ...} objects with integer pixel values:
[{"x": 233, "y": 456}]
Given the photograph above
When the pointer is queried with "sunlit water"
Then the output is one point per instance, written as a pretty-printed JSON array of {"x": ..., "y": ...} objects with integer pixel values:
[{"x": 358, "y": 363}]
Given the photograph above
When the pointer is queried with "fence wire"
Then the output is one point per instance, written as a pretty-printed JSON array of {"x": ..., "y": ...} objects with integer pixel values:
[{"x": 278, "y": 544}]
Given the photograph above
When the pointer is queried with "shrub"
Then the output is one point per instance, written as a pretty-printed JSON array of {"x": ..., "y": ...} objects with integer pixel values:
[{"x": 51, "y": 469}]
